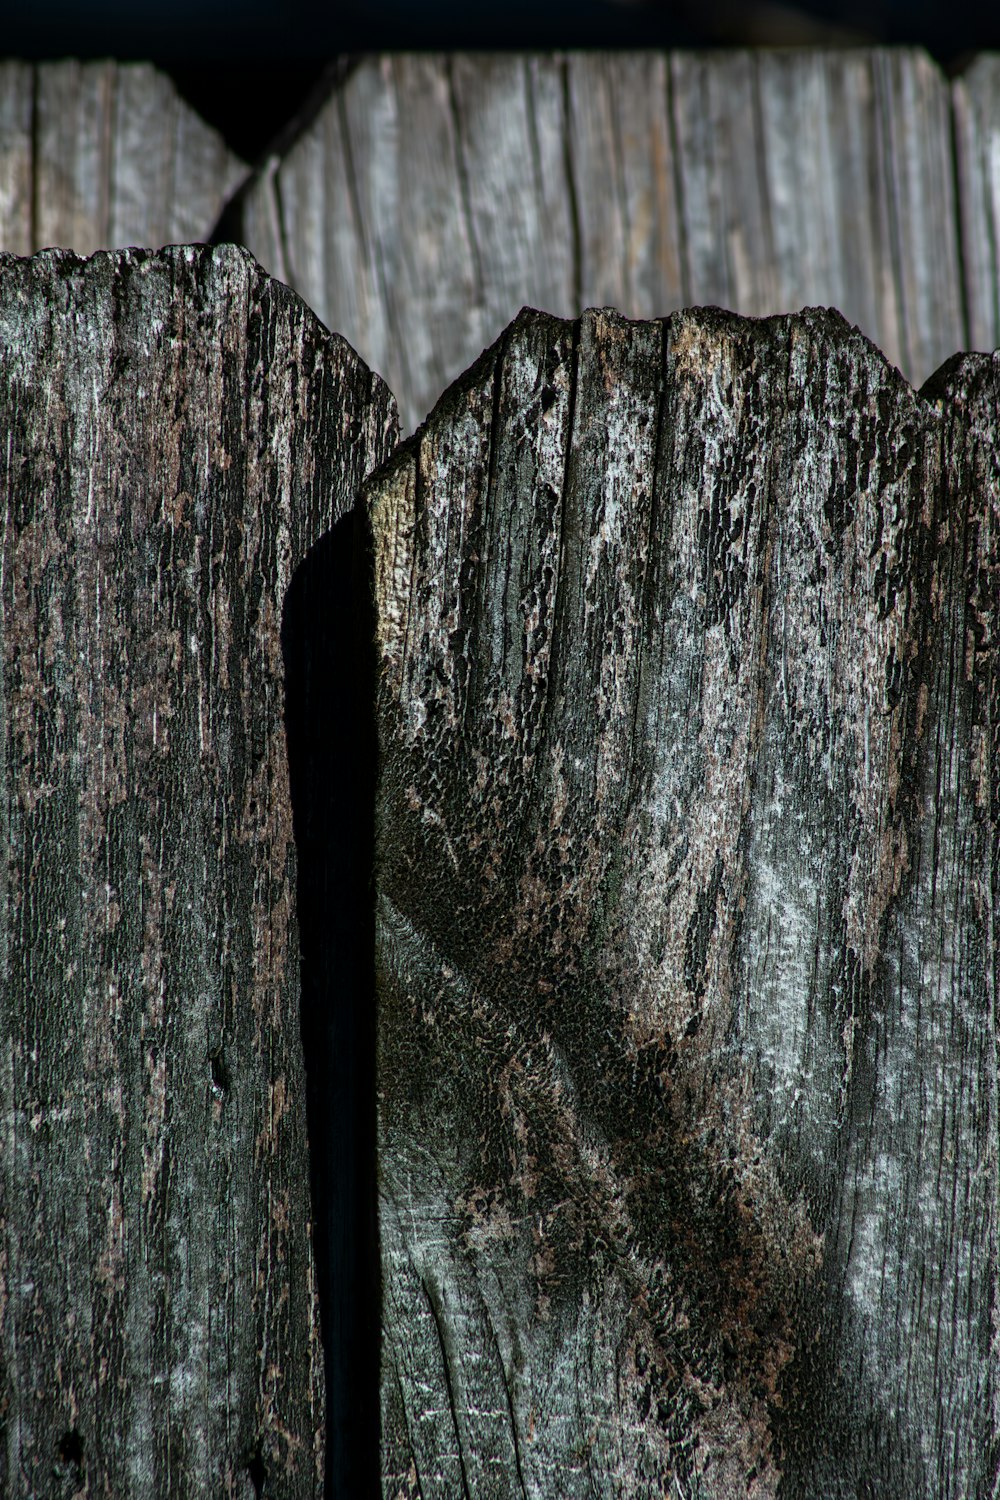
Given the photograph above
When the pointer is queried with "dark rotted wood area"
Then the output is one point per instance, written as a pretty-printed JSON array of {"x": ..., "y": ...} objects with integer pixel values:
[{"x": 686, "y": 863}]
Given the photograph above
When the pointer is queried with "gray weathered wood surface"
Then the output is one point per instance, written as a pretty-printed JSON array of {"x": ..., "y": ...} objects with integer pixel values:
[
  {"x": 177, "y": 430},
  {"x": 686, "y": 852},
  {"x": 976, "y": 97},
  {"x": 99, "y": 155},
  {"x": 434, "y": 195}
]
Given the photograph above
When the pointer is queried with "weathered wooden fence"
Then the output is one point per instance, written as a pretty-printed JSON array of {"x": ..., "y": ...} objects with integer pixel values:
[
  {"x": 94, "y": 156},
  {"x": 687, "y": 882},
  {"x": 434, "y": 195},
  {"x": 178, "y": 429},
  {"x": 686, "y": 812}
]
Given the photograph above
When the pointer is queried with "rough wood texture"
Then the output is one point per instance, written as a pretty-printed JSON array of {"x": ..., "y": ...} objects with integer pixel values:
[
  {"x": 103, "y": 154},
  {"x": 434, "y": 195},
  {"x": 177, "y": 430},
  {"x": 687, "y": 864}
]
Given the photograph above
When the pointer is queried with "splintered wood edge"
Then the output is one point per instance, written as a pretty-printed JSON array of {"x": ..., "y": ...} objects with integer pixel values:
[{"x": 390, "y": 496}]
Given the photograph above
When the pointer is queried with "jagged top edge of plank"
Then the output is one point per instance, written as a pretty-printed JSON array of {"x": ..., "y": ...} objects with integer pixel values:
[
  {"x": 215, "y": 258},
  {"x": 945, "y": 384}
]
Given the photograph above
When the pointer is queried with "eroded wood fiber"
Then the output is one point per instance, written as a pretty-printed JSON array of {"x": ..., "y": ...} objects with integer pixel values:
[
  {"x": 177, "y": 430},
  {"x": 686, "y": 866},
  {"x": 434, "y": 195}
]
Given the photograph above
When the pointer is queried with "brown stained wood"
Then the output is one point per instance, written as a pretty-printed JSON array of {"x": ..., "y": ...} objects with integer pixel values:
[
  {"x": 98, "y": 155},
  {"x": 177, "y": 431},
  {"x": 686, "y": 865},
  {"x": 432, "y": 196}
]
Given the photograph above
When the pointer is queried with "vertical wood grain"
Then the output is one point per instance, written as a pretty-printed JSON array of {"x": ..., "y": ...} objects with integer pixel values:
[
  {"x": 98, "y": 155},
  {"x": 686, "y": 819},
  {"x": 431, "y": 197},
  {"x": 178, "y": 430},
  {"x": 976, "y": 105}
]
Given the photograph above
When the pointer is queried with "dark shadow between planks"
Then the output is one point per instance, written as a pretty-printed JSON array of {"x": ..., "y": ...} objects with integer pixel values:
[{"x": 327, "y": 631}]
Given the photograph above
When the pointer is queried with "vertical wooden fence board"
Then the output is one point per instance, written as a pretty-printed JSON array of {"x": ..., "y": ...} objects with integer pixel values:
[
  {"x": 170, "y": 173},
  {"x": 413, "y": 202},
  {"x": 971, "y": 394},
  {"x": 594, "y": 156},
  {"x": 860, "y": 203},
  {"x": 75, "y": 120},
  {"x": 204, "y": 174},
  {"x": 103, "y": 154},
  {"x": 323, "y": 233},
  {"x": 922, "y": 1221},
  {"x": 687, "y": 829},
  {"x": 919, "y": 167},
  {"x": 16, "y": 89},
  {"x": 800, "y": 172},
  {"x": 726, "y": 242},
  {"x": 141, "y": 165},
  {"x": 178, "y": 430},
  {"x": 260, "y": 217},
  {"x": 334, "y": 246},
  {"x": 824, "y": 181},
  {"x": 824, "y": 178},
  {"x": 976, "y": 104}
]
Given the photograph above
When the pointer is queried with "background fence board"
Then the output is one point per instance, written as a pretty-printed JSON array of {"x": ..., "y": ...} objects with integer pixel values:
[
  {"x": 178, "y": 430},
  {"x": 99, "y": 155},
  {"x": 433, "y": 195}
]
